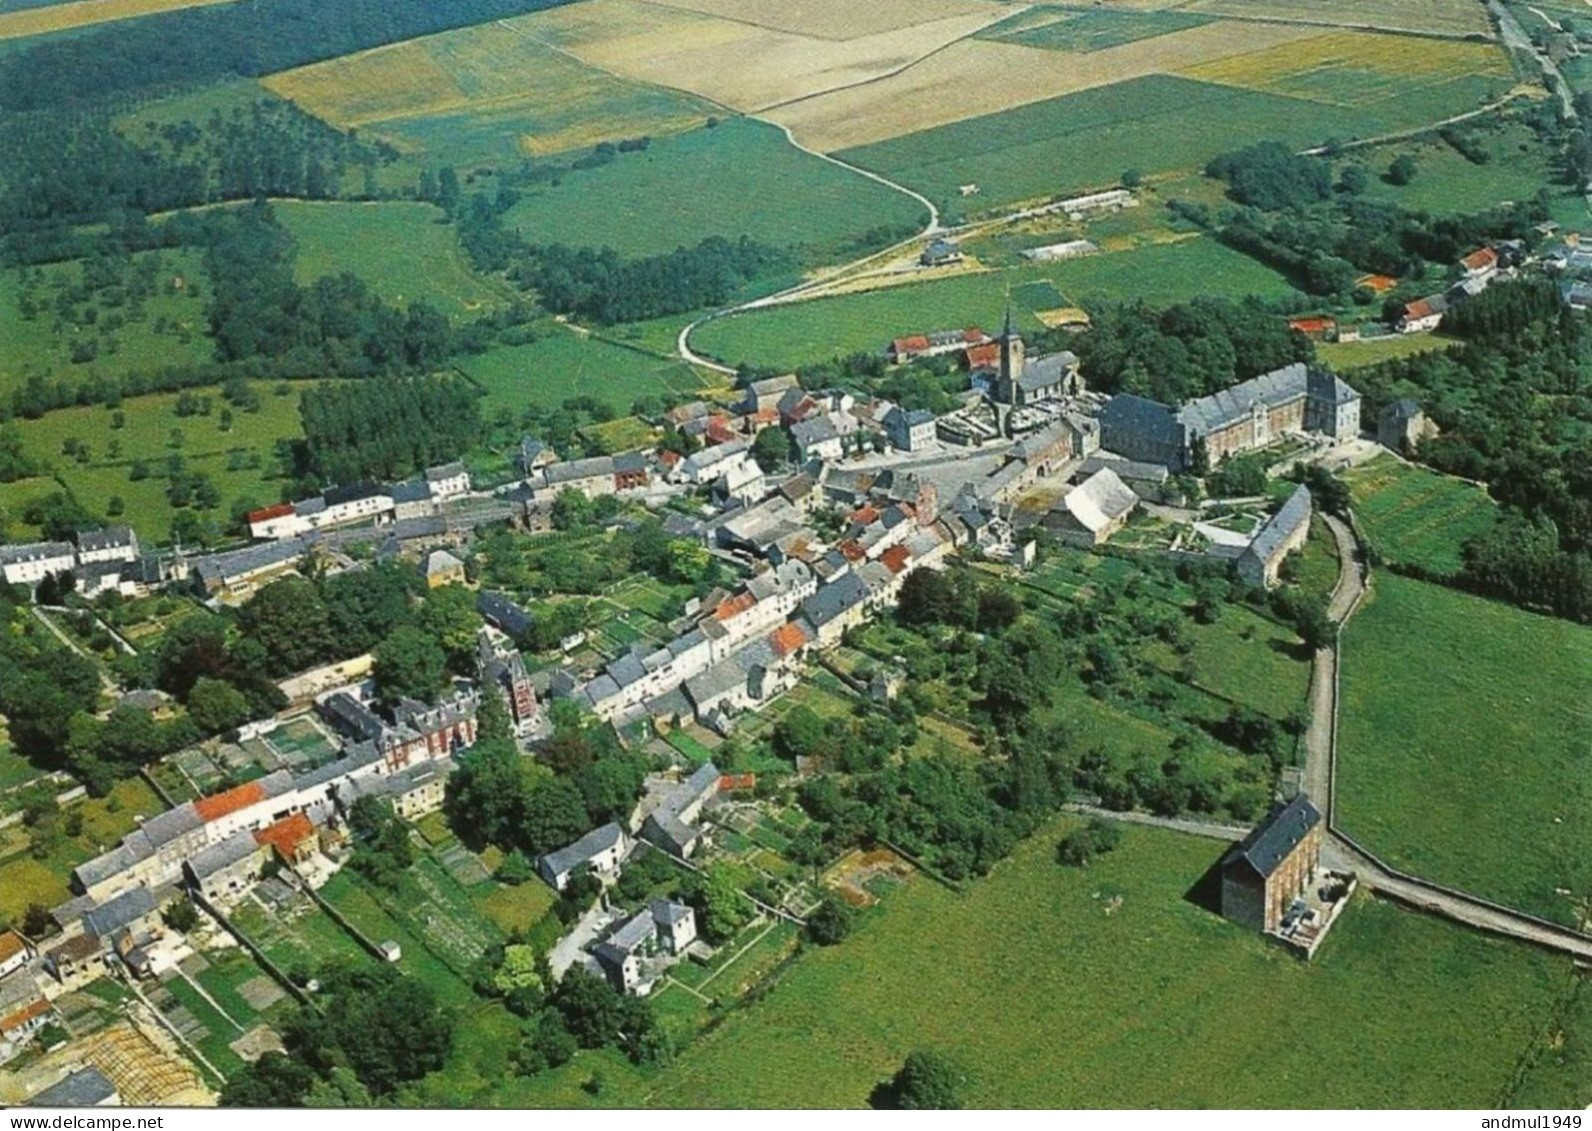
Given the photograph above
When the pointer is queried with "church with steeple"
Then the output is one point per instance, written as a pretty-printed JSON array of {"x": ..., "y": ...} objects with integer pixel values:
[{"x": 1021, "y": 381}]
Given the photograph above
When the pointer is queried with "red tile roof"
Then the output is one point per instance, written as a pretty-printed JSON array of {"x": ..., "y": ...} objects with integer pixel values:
[
  {"x": 910, "y": 343},
  {"x": 978, "y": 357},
  {"x": 1381, "y": 284},
  {"x": 974, "y": 334},
  {"x": 1480, "y": 260},
  {"x": 287, "y": 835},
  {"x": 1312, "y": 325},
  {"x": 22, "y": 1016},
  {"x": 852, "y": 551},
  {"x": 895, "y": 558},
  {"x": 719, "y": 431},
  {"x": 865, "y": 514},
  {"x": 11, "y": 945},
  {"x": 264, "y": 513},
  {"x": 787, "y": 638},
  {"x": 1418, "y": 309},
  {"x": 734, "y": 607},
  {"x": 669, "y": 459},
  {"x": 239, "y": 797},
  {"x": 731, "y": 783}
]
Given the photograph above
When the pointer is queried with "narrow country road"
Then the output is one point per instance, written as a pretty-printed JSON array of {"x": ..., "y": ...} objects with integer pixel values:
[
  {"x": 1342, "y": 853},
  {"x": 1346, "y": 595},
  {"x": 1515, "y": 38}
]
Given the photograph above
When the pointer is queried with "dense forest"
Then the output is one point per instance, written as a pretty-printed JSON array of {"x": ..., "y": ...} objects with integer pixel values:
[
  {"x": 1188, "y": 350},
  {"x": 387, "y": 429},
  {"x": 198, "y": 45},
  {"x": 61, "y": 169},
  {"x": 603, "y": 286}
]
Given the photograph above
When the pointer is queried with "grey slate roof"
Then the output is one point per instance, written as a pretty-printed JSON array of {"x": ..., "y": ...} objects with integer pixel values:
[
  {"x": 238, "y": 563},
  {"x": 1207, "y": 414},
  {"x": 1131, "y": 412},
  {"x": 118, "y": 911},
  {"x": 501, "y": 611},
  {"x": 1279, "y": 526},
  {"x": 111, "y": 537},
  {"x": 410, "y": 491},
  {"x": 445, "y": 471},
  {"x": 1040, "y": 373},
  {"x": 163, "y": 828},
  {"x": 35, "y": 551},
  {"x": 818, "y": 430},
  {"x": 237, "y": 847},
  {"x": 1126, "y": 469},
  {"x": 571, "y": 856},
  {"x": 87, "y": 1087},
  {"x": 667, "y": 911},
  {"x": 1271, "y": 842},
  {"x": 832, "y": 600},
  {"x": 721, "y": 678}
]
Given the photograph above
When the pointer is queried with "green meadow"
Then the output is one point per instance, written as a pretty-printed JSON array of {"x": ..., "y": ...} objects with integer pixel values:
[
  {"x": 819, "y": 329},
  {"x": 741, "y": 178},
  {"x": 1416, "y": 516},
  {"x": 1109, "y": 987},
  {"x": 564, "y": 364},
  {"x": 1466, "y": 744}
]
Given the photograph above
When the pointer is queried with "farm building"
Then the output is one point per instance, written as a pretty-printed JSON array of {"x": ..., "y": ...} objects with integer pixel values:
[
  {"x": 1283, "y": 533},
  {"x": 1402, "y": 425},
  {"x": 941, "y": 253},
  {"x": 1272, "y": 867},
  {"x": 602, "y": 850},
  {"x": 1098, "y": 507}
]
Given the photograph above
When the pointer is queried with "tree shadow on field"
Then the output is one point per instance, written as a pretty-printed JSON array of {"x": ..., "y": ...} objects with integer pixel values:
[{"x": 1294, "y": 650}]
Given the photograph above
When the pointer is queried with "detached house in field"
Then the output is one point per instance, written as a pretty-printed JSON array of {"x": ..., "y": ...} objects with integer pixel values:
[{"x": 1273, "y": 866}]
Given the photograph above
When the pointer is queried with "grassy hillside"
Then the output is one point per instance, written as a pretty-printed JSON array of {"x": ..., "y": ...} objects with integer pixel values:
[
  {"x": 407, "y": 252},
  {"x": 820, "y": 329},
  {"x": 1465, "y": 744},
  {"x": 739, "y": 179},
  {"x": 1108, "y": 987}
]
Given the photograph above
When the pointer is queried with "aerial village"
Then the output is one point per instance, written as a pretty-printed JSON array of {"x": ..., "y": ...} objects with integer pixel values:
[{"x": 805, "y": 543}]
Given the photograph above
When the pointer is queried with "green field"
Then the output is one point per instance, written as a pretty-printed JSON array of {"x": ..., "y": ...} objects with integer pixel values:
[
  {"x": 564, "y": 364},
  {"x": 1082, "y": 141},
  {"x": 129, "y": 334},
  {"x": 407, "y": 252},
  {"x": 147, "y": 436},
  {"x": 1048, "y": 993},
  {"x": 1464, "y": 754},
  {"x": 817, "y": 330},
  {"x": 25, "y": 879},
  {"x": 1344, "y": 356},
  {"x": 742, "y": 178},
  {"x": 1091, "y": 30},
  {"x": 1416, "y": 516},
  {"x": 1445, "y": 181}
]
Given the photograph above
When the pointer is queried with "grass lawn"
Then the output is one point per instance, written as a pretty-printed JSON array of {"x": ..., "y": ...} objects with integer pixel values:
[
  {"x": 1249, "y": 658},
  {"x": 1370, "y": 351},
  {"x": 348, "y": 893},
  {"x": 516, "y": 908},
  {"x": 406, "y": 251},
  {"x": 1149, "y": 1004},
  {"x": 1418, "y": 516},
  {"x": 1445, "y": 181},
  {"x": 820, "y": 329},
  {"x": 1465, "y": 753},
  {"x": 147, "y": 435},
  {"x": 43, "y": 344},
  {"x": 740, "y": 179},
  {"x": 564, "y": 364}
]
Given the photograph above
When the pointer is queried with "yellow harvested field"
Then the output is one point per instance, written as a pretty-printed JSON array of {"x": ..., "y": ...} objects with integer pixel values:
[
  {"x": 490, "y": 70},
  {"x": 1351, "y": 68},
  {"x": 979, "y": 77},
  {"x": 838, "y": 19},
  {"x": 1445, "y": 17},
  {"x": 63, "y": 17},
  {"x": 740, "y": 65}
]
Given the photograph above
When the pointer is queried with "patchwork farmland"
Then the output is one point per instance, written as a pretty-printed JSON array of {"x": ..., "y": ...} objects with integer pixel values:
[
  {"x": 44, "y": 19},
  {"x": 486, "y": 92}
]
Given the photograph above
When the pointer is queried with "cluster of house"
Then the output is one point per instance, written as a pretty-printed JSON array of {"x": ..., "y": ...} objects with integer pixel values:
[
  {"x": 362, "y": 502},
  {"x": 215, "y": 847},
  {"x": 99, "y": 560},
  {"x": 1480, "y": 269},
  {"x": 641, "y": 946},
  {"x": 1572, "y": 263}
]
